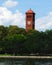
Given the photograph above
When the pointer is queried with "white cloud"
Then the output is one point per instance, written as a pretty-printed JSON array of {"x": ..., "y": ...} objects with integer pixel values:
[
  {"x": 8, "y": 18},
  {"x": 5, "y": 16},
  {"x": 18, "y": 19},
  {"x": 44, "y": 23},
  {"x": 10, "y": 3}
]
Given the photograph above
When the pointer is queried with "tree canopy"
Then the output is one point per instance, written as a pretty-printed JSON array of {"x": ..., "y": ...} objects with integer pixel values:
[{"x": 15, "y": 40}]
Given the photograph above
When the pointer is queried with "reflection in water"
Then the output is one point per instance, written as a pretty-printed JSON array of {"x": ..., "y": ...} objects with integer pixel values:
[
  {"x": 45, "y": 63},
  {"x": 25, "y": 62}
]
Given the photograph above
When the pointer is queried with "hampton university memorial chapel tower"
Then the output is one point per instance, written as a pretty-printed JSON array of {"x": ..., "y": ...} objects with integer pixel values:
[{"x": 30, "y": 20}]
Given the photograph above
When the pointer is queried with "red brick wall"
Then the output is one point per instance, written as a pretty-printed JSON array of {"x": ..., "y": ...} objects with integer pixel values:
[{"x": 30, "y": 17}]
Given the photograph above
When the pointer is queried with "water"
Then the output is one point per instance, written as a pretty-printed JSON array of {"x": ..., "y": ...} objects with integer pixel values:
[{"x": 25, "y": 62}]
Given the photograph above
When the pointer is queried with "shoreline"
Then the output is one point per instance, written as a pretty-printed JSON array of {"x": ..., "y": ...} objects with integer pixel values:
[{"x": 27, "y": 57}]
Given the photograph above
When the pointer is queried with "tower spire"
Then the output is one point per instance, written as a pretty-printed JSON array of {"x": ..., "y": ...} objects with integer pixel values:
[{"x": 30, "y": 8}]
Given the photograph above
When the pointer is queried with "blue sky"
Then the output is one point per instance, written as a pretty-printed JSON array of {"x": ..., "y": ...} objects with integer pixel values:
[
  {"x": 12, "y": 12},
  {"x": 41, "y": 7}
]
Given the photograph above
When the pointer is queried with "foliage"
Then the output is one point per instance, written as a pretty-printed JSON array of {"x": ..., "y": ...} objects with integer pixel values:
[{"x": 16, "y": 41}]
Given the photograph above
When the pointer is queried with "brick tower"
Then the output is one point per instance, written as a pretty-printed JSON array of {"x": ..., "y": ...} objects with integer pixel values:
[{"x": 30, "y": 20}]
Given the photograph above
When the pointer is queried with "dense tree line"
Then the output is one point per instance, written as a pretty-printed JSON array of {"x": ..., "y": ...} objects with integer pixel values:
[{"x": 15, "y": 40}]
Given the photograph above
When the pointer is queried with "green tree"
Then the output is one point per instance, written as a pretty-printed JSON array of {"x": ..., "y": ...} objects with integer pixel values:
[
  {"x": 15, "y": 30},
  {"x": 14, "y": 43}
]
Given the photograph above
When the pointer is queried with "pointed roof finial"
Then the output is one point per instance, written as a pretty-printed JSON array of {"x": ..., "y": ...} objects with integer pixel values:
[
  {"x": 30, "y": 11},
  {"x": 30, "y": 8}
]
